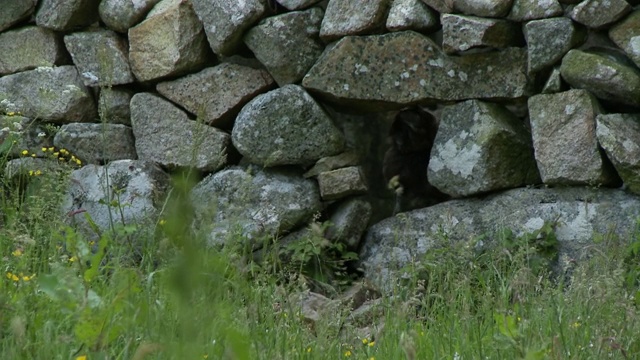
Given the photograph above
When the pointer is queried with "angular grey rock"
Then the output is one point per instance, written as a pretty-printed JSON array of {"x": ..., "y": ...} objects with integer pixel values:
[
  {"x": 525, "y": 10},
  {"x": 113, "y": 105},
  {"x": 226, "y": 21},
  {"x": 28, "y": 168},
  {"x": 626, "y": 34},
  {"x": 484, "y": 8},
  {"x": 349, "y": 221},
  {"x": 603, "y": 76},
  {"x": 385, "y": 77},
  {"x": 297, "y": 4},
  {"x": 553, "y": 83},
  {"x": 66, "y": 15},
  {"x": 581, "y": 214},
  {"x": 441, "y": 6},
  {"x": 287, "y": 44},
  {"x": 253, "y": 203},
  {"x": 346, "y": 17},
  {"x": 348, "y": 158},
  {"x": 411, "y": 15},
  {"x": 169, "y": 42},
  {"x": 50, "y": 94},
  {"x": 121, "y": 15},
  {"x": 461, "y": 33},
  {"x": 555, "y": 118},
  {"x": 598, "y": 14},
  {"x": 101, "y": 57},
  {"x": 28, "y": 48},
  {"x": 312, "y": 306},
  {"x": 15, "y": 11},
  {"x": 166, "y": 135},
  {"x": 137, "y": 187},
  {"x": 548, "y": 40},
  {"x": 285, "y": 127},
  {"x": 97, "y": 143},
  {"x": 20, "y": 133},
  {"x": 340, "y": 183},
  {"x": 619, "y": 136},
  {"x": 480, "y": 147},
  {"x": 217, "y": 94}
]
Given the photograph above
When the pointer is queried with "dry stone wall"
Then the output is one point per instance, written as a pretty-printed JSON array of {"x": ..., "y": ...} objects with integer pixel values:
[{"x": 283, "y": 106}]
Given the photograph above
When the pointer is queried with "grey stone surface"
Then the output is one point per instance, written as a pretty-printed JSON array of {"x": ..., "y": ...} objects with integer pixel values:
[
  {"x": 461, "y": 33},
  {"x": 218, "y": 93},
  {"x": 581, "y": 214},
  {"x": 113, "y": 105},
  {"x": 441, "y": 6},
  {"x": 66, "y": 15},
  {"x": 15, "y": 11},
  {"x": 626, "y": 34},
  {"x": 484, "y": 8},
  {"x": 166, "y": 135},
  {"x": 555, "y": 118},
  {"x": 348, "y": 222},
  {"x": 346, "y": 17},
  {"x": 619, "y": 136},
  {"x": 28, "y": 168},
  {"x": 101, "y": 57},
  {"x": 253, "y": 203},
  {"x": 347, "y": 158},
  {"x": 384, "y": 77},
  {"x": 525, "y": 10},
  {"x": 285, "y": 127},
  {"x": 97, "y": 143},
  {"x": 226, "y": 21},
  {"x": 50, "y": 94},
  {"x": 297, "y": 4},
  {"x": 125, "y": 192},
  {"x": 480, "y": 147},
  {"x": 159, "y": 48},
  {"x": 548, "y": 40},
  {"x": 411, "y": 15},
  {"x": 120, "y": 15},
  {"x": 603, "y": 76},
  {"x": 288, "y": 44},
  {"x": 30, "y": 47},
  {"x": 21, "y": 133},
  {"x": 340, "y": 183},
  {"x": 553, "y": 83},
  {"x": 598, "y": 14}
]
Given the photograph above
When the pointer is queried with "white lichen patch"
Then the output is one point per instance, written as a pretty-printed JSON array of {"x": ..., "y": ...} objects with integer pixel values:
[
  {"x": 360, "y": 69},
  {"x": 634, "y": 45},
  {"x": 579, "y": 227},
  {"x": 457, "y": 161}
]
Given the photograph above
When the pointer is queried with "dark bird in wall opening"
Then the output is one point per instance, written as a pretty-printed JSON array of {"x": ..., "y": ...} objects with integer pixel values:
[{"x": 405, "y": 164}]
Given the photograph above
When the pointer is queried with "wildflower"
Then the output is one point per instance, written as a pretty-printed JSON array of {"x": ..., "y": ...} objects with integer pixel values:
[
  {"x": 365, "y": 341},
  {"x": 27, "y": 278},
  {"x": 205, "y": 356},
  {"x": 44, "y": 149},
  {"x": 372, "y": 358},
  {"x": 162, "y": 222},
  {"x": 11, "y": 113},
  {"x": 347, "y": 353},
  {"x": 41, "y": 134},
  {"x": 372, "y": 343},
  {"x": 78, "y": 162},
  {"x": 38, "y": 173},
  {"x": 33, "y": 155},
  {"x": 51, "y": 148},
  {"x": 309, "y": 349},
  {"x": 81, "y": 357},
  {"x": 25, "y": 152},
  {"x": 64, "y": 152},
  {"x": 56, "y": 154},
  {"x": 31, "y": 172},
  {"x": 17, "y": 252},
  {"x": 72, "y": 259},
  {"x": 12, "y": 276},
  {"x": 576, "y": 324}
]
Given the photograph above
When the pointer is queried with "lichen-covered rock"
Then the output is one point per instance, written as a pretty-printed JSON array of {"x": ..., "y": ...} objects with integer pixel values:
[
  {"x": 580, "y": 214},
  {"x": 297, "y": 4},
  {"x": 66, "y": 15},
  {"x": 548, "y": 40},
  {"x": 226, "y": 21},
  {"x": 603, "y": 76},
  {"x": 441, "y": 6},
  {"x": 15, "y": 11},
  {"x": 480, "y": 147},
  {"x": 169, "y": 42},
  {"x": 97, "y": 143},
  {"x": 101, "y": 57},
  {"x": 340, "y": 183},
  {"x": 347, "y": 158},
  {"x": 287, "y": 44},
  {"x": 285, "y": 127},
  {"x": 525, "y": 10},
  {"x": 54, "y": 95},
  {"x": 556, "y": 118},
  {"x": 217, "y": 94},
  {"x": 619, "y": 136},
  {"x": 165, "y": 134},
  {"x": 346, "y": 17},
  {"x": 626, "y": 34},
  {"x": 553, "y": 83},
  {"x": 348, "y": 222},
  {"x": 113, "y": 105},
  {"x": 598, "y": 14},
  {"x": 484, "y": 8},
  {"x": 28, "y": 48},
  {"x": 120, "y": 15},
  {"x": 461, "y": 33},
  {"x": 383, "y": 76},
  {"x": 123, "y": 192},
  {"x": 411, "y": 15},
  {"x": 253, "y": 203}
]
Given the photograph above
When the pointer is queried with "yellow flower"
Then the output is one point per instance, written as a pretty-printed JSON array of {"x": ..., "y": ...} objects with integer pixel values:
[
  {"x": 38, "y": 173},
  {"x": 11, "y": 113},
  {"x": 27, "y": 278},
  {"x": 25, "y": 152},
  {"x": 78, "y": 162},
  {"x": 73, "y": 258},
  {"x": 17, "y": 252},
  {"x": 372, "y": 343},
  {"x": 576, "y": 324},
  {"x": 81, "y": 357},
  {"x": 63, "y": 151},
  {"x": 365, "y": 341},
  {"x": 205, "y": 356},
  {"x": 44, "y": 149},
  {"x": 51, "y": 148},
  {"x": 33, "y": 155},
  {"x": 30, "y": 172},
  {"x": 372, "y": 358},
  {"x": 162, "y": 222},
  {"x": 347, "y": 353},
  {"x": 12, "y": 276},
  {"x": 309, "y": 349},
  {"x": 56, "y": 154}
]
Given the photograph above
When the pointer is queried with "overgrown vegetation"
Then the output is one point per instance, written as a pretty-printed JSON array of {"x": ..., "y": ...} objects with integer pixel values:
[{"x": 68, "y": 294}]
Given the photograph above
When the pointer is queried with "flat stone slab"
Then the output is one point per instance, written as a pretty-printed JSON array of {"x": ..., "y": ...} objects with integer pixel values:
[
  {"x": 28, "y": 48},
  {"x": 340, "y": 183},
  {"x": 347, "y": 17}
]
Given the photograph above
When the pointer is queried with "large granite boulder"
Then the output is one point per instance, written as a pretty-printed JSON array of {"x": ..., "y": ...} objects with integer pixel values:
[
  {"x": 97, "y": 143},
  {"x": 121, "y": 15},
  {"x": 619, "y": 136},
  {"x": 626, "y": 34},
  {"x": 66, "y": 15},
  {"x": 28, "y": 48},
  {"x": 548, "y": 40},
  {"x": 461, "y": 33},
  {"x": 525, "y": 10},
  {"x": 346, "y": 17},
  {"x": 15, "y": 11},
  {"x": 598, "y": 14},
  {"x": 411, "y": 15}
]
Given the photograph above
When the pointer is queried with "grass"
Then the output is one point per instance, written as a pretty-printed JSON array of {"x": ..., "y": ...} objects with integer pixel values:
[{"x": 65, "y": 297}]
